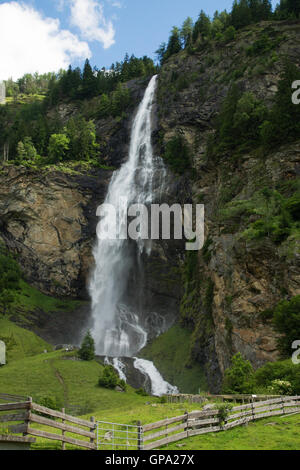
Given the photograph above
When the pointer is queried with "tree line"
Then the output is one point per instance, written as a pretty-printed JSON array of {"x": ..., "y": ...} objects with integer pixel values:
[{"x": 91, "y": 82}]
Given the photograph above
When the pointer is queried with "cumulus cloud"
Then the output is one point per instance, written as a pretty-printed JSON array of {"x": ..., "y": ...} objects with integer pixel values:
[
  {"x": 88, "y": 16},
  {"x": 31, "y": 43}
]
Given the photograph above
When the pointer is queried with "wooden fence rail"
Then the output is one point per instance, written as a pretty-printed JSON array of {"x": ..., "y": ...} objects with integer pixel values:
[
  {"x": 9, "y": 397},
  {"x": 37, "y": 414},
  {"x": 203, "y": 422},
  {"x": 236, "y": 398}
]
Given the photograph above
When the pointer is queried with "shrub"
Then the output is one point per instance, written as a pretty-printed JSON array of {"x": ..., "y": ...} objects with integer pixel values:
[
  {"x": 281, "y": 387},
  {"x": 141, "y": 391},
  {"x": 110, "y": 379},
  {"x": 229, "y": 34},
  {"x": 239, "y": 377},
  {"x": 265, "y": 376},
  {"x": 49, "y": 402},
  {"x": 223, "y": 412},
  {"x": 26, "y": 151},
  {"x": 286, "y": 321},
  {"x": 177, "y": 155},
  {"x": 10, "y": 276},
  {"x": 87, "y": 350}
]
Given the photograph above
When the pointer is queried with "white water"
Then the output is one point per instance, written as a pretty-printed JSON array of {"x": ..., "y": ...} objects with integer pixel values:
[
  {"x": 118, "y": 327},
  {"x": 118, "y": 365},
  {"x": 158, "y": 385}
]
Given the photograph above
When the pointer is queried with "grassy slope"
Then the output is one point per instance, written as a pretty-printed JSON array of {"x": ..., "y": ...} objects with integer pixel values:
[
  {"x": 170, "y": 353},
  {"x": 20, "y": 343},
  {"x": 277, "y": 433},
  {"x": 29, "y": 298}
]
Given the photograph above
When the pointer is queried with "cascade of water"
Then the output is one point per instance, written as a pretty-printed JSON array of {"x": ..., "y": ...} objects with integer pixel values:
[
  {"x": 158, "y": 385},
  {"x": 118, "y": 329}
]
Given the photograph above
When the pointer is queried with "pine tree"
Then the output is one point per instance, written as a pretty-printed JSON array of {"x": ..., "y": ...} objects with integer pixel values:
[
  {"x": 202, "y": 27},
  {"x": 174, "y": 44},
  {"x": 186, "y": 32},
  {"x": 240, "y": 14},
  {"x": 87, "y": 350},
  {"x": 89, "y": 81}
]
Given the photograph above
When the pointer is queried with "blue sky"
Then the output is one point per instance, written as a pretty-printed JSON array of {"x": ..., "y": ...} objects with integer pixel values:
[{"x": 36, "y": 34}]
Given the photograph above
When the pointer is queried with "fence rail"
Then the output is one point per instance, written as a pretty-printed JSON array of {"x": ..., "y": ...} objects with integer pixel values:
[
  {"x": 9, "y": 397},
  {"x": 203, "y": 422},
  {"x": 243, "y": 398},
  {"x": 37, "y": 414}
]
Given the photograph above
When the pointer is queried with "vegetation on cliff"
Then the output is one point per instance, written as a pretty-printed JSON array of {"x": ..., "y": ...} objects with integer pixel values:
[{"x": 194, "y": 37}]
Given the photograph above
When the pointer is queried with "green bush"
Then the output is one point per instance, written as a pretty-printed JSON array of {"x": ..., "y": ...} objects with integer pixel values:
[
  {"x": 265, "y": 376},
  {"x": 239, "y": 377},
  {"x": 277, "y": 215},
  {"x": 10, "y": 277},
  {"x": 281, "y": 387},
  {"x": 49, "y": 402},
  {"x": 223, "y": 412},
  {"x": 141, "y": 391},
  {"x": 87, "y": 350},
  {"x": 286, "y": 320},
  {"x": 109, "y": 379},
  {"x": 177, "y": 155}
]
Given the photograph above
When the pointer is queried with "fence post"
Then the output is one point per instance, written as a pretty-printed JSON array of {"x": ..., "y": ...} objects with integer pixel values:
[
  {"x": 283, "y": 410},
  {"x": 92, "y": 429},
  {"x": 140, "y": 436},
  {"x": 186, "y": 419},
  {"x": 27, "y": 420},
  {"x": 63, "y": 431},
  {"x": 253, "y": 410}
]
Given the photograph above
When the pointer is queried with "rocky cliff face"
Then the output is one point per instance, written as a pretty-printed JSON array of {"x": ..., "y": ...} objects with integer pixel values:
[
  {"x": 239, "y": 279},
  {"x": 48, "y": 218}
]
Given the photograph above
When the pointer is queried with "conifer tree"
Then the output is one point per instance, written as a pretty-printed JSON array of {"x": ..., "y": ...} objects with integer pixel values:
[{"x": 87, "y": 350}]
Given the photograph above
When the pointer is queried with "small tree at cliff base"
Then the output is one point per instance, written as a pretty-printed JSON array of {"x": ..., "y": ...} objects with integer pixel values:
[{"x": 87, "y": 350}]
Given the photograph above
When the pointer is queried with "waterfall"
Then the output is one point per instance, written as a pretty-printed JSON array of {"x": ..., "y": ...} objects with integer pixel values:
[
  {"x": 158, "y": 385},
  {"x": 118, "y": 327}
]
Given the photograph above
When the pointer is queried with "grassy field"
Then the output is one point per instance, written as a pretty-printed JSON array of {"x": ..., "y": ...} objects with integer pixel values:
[
  {"x": 277, "y": 433},
  {"x": 170, "y": 354},
  {"x": 20, "y": 343}
]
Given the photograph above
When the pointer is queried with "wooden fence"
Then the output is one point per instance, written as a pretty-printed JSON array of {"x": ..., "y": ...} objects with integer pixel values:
[
  {"x": 27, "y": 414},
  {"x": 235, "y": 398},
  {"x": 170, "y": 430}
]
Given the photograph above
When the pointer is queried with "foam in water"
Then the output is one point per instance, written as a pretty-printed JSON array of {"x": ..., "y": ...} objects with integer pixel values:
[{"x": 158, "y": 385}]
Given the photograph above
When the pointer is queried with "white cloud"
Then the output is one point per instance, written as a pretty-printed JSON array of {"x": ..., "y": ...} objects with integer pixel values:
[
  {"x": 88, "y": 16},
  {"x": 31, "y": 43}
]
